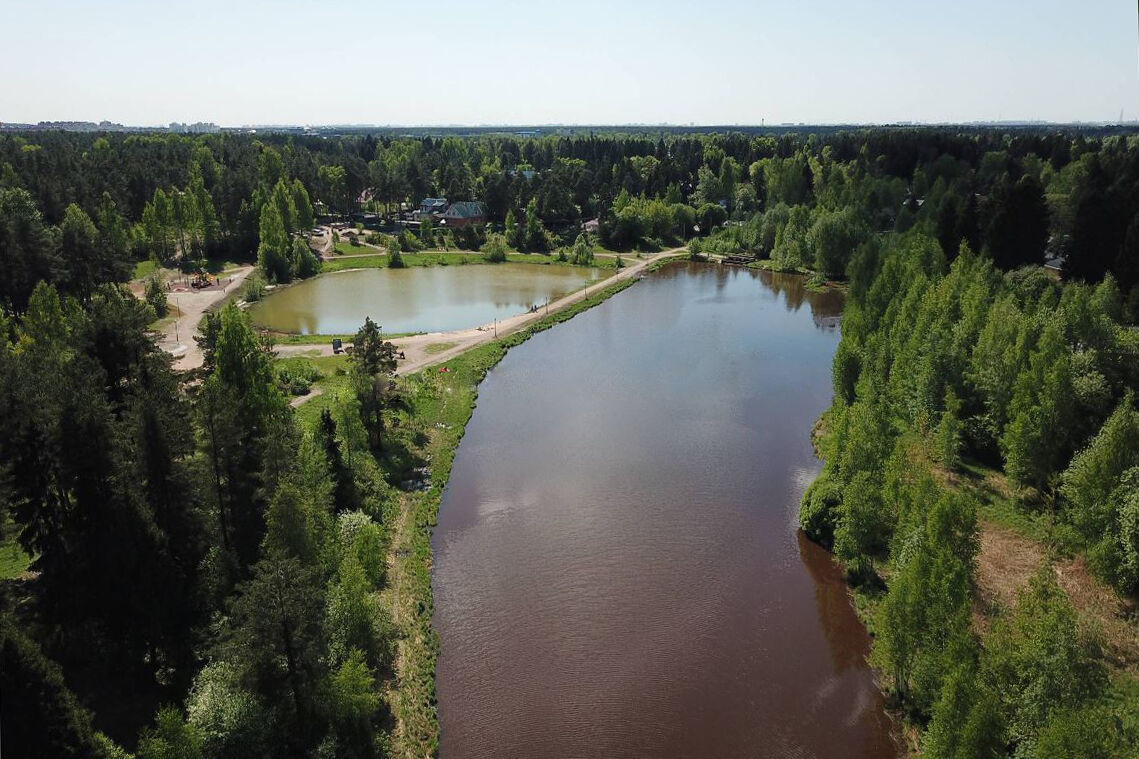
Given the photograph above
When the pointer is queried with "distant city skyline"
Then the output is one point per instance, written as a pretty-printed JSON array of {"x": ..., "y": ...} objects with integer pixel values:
[{"x": 351, "y": 63}]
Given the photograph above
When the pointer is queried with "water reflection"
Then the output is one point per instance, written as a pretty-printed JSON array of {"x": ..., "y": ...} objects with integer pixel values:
[
  {"x": 417, "y": 299},
  {"x": 617, "y": 569}
]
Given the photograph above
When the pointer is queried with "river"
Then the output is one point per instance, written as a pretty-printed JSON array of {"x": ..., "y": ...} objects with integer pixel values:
[{"x": 618, "y": 570}]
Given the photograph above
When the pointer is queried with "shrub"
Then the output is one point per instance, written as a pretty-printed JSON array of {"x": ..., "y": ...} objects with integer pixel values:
[
  {"x": 395, "y": 260},
  {"x": 156, "y": 295},
  {"x": 494, "y": 250},
  {"x": 254, "y": 287},
  {"x": 819, "y": 513},
  {"x": 295, "y": 376}
]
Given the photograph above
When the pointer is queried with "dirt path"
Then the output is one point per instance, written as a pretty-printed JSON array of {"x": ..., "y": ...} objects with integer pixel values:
[
  {"x": 1006, "y": 563},
  {"x": 178, "y": 335},
  {"x": 314, "y": 392},
  {"x": 415, "y": 346}
]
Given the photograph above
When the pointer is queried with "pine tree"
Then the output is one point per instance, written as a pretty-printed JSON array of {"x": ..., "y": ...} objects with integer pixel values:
[{"x": 347, "y": 497}]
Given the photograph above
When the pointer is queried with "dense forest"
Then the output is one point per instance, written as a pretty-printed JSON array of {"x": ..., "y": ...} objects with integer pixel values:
[
  {"x": 204, "y": 569},
  {"x": 944, "y": 369},
  {"x": 805, "y": 201}
]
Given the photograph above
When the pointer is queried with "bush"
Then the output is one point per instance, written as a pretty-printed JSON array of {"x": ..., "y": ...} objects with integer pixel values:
[
  {"x": 470, "y": 237},
  {"x": 409, "y": 243},
  {"x": 494, "y": 250},
  {"x": 156, "y": 295},
  {"x": 295, "y": 376},
  {"x": 582, "y": 252},
  {"x": 394, "y": 260},
  {"x": 171, "y": 736},
  {"x": 710, "y": 216},
  {"x": 819, "y": 513},
  {"x": 254, "y": 287}
]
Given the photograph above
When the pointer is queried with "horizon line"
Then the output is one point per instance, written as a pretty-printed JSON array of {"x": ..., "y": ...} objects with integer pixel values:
[{"x": 762, "y": 124}]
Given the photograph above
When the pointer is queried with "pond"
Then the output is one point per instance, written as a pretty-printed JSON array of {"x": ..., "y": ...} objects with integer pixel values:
[
  {"x": 416, "y": 299},
  {"x": 617, "y": 565}
]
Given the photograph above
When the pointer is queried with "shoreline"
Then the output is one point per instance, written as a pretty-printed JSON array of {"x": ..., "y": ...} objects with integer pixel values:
[
  {"x": 418, "y": 348},
  {"x": 440, "y": 404},
  {"x": 447, "y": 401},
  {"x": 444, "y": 402},
  {"x": 410, "y": 557}
]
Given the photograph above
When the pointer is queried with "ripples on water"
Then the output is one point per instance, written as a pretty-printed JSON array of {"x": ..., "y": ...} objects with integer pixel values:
[{"x": 617, "y": 566}]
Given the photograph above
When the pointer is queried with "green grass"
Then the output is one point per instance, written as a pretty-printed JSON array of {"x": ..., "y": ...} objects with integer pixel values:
[
  {"x": 348, "y": 249},
  {"x": 284, "y": 338},
  {"x": 334, "y": 384},
  {"x": 767, "y": 264},
  {"x": 542, "y": 258},
  {"x": 13, "y": 560},
  {"x": 219, "y": 265},
  {"x": 377, "y": 260},
  {"x": 997, "y": 504},
  {"x": 380, "y": 261},
  {"x": 143, "y": 269}
]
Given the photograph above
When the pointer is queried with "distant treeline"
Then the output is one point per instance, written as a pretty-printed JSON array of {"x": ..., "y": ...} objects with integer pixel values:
[{"x": 1017, "y": 194}]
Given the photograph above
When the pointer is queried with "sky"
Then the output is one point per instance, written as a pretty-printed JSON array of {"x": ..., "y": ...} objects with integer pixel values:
[{"x": 241, "y": 62}]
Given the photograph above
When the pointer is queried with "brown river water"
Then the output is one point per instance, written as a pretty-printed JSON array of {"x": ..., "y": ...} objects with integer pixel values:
[{"x": 618, "y": 570}]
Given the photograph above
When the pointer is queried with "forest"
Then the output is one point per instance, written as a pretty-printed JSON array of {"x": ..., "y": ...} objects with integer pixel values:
[
  {"x": 205, "y": 569},
  {"x": 805, "y": 201},
  {"x": 946, "y": 370}
]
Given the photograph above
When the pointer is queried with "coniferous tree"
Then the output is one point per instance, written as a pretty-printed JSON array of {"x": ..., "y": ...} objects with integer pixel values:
[{"x": 346, "y": 496}]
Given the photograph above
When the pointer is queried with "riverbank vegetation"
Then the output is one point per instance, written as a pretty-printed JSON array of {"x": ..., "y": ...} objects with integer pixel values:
[
  {"x": 446, "y": 258},
  {"x": 434, "y": 409},
  {"x": 945, "y": 368}
]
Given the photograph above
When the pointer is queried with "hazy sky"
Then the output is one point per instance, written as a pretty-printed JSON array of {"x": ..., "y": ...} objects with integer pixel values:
[{"x": 495, "y": 61}]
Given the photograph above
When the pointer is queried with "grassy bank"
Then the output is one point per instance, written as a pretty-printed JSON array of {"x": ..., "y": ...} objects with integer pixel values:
[
  {"x": 815, "y": 283},
  {"x": 443, "y": 402},
  {"x": 439, "y": 402},
  {"x": 368, "y": 258},
  {"x": 287, "y": 338}
]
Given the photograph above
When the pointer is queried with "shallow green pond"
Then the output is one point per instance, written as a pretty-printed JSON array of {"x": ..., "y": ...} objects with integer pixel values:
[{"x": 418, "y": 299}]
